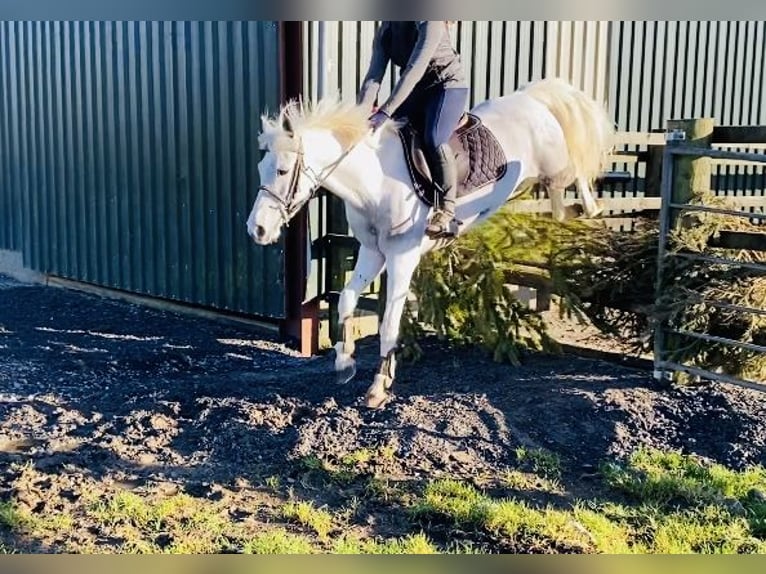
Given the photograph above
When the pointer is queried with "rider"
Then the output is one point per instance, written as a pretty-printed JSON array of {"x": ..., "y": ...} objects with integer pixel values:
[{"x": 431, "y": 93}]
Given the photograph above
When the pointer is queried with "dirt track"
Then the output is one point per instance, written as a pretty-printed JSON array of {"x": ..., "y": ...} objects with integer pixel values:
[{"x": 102, "y": 390}]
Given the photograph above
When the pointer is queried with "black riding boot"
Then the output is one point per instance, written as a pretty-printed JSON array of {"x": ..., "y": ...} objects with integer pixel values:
[{"x": 444, "y": 172}]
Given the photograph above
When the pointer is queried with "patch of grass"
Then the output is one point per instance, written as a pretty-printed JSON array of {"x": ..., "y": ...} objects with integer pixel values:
[
  {"x": 519, "y": 480},
  {"x": 20, "y": 519},
  {"x": 651, "y": 526},
  {"x": 57, "y": 522},
  {"x": 710, "y": 530},
  {"x": 358, "y": 457},
  {"x": 384, "y": 489},
  {"x": 411, "y": 544},
  {"x": 608, "y": 526},
  {"x": 756, "y": 508},
  {"x": 692, "y": 506},
  {"x": 125, "y": 507},
  {"x": 544, "y": 463},
  {"x": 515, "y": 519},
  {"x": 11, "y": 516},
  {"x": 387, "y": 453},
  {"x": 467, "y": 507},
  {"x": 457, "y": 500},
  {"x": 675, "y": 504},
  {"x": 344, "y": 474},
  {"x": 311, "y": 462},
  {"x": 137, "y": 545},
  {"x": 546, "y": 527},
  {"x": 6, "y": 549},
  {"x": 273, "y": 482},
  {"x": 305, "y": 513},
  {"x": 659, "y": 477},
  {"x": 351, "y": 467},
  {"x": 278, "y": 541},
  {"x": 179, "y": 524}
]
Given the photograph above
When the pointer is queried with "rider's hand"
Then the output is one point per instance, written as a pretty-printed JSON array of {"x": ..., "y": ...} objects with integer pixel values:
[{"x": 377, "y": 119}]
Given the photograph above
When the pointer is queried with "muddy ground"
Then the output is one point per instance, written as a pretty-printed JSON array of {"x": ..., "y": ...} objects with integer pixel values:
[{"x": 103, "y": 392}]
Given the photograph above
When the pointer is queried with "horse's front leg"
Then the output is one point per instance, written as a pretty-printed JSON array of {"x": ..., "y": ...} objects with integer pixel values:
[
  {"x": 400, "y": 270},
  {"x": 369, "y": 264}
]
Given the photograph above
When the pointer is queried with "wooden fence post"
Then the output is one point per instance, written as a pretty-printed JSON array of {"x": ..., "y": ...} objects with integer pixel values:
[
  {"x": 653, "y": 175},
  {"x": 692, "y": 175}
]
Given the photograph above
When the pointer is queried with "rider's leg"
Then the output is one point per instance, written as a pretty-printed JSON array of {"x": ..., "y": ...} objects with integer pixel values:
[
  {"x": 443, "y": 112},
  {"x": 444, "y": 174}
]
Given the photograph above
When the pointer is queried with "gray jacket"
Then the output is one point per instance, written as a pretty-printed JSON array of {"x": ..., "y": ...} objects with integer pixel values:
[{"x": 425, "y": 55}]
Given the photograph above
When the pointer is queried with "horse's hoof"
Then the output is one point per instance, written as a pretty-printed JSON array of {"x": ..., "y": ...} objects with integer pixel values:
[
  {"x": 377, "y": 402},
  {"x": 345, "y": 374},
  {"x": 597, "y": 212},
  {"x": 345, "y": 364},
  {"x": 377, "y": 395}
]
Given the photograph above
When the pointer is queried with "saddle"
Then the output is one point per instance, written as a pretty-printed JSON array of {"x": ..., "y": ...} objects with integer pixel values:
[{"x": 479, "y": 158}]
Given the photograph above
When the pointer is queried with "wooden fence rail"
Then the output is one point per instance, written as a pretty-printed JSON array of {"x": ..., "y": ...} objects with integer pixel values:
[
  {"x": 621, "y": 212},
  {"x": 621, "y": 207}
]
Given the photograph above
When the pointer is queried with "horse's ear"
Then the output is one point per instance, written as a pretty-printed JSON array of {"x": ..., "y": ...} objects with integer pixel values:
[{"x": 287, "y": 125}]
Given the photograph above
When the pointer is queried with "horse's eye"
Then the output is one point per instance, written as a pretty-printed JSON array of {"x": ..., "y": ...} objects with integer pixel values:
[{"x": 281, "y": 172}]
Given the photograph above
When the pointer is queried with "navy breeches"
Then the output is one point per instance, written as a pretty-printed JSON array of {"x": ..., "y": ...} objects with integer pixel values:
[{"x": 435, "y": 112}]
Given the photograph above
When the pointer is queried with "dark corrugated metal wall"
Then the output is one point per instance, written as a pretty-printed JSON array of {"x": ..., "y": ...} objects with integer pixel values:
[
  {"x": 129, "y": 154},
  {"x": 10, "y": 208}
]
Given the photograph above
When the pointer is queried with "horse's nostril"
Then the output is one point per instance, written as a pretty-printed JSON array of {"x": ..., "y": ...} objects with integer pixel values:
[{"x": 260, "y": 231}]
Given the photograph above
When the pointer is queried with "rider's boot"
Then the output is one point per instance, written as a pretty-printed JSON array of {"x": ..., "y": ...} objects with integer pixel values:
[{"x": 444, "y": 173}]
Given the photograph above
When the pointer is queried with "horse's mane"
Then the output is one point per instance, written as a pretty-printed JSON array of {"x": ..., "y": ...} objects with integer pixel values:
[{"x": 346, "y": 120}]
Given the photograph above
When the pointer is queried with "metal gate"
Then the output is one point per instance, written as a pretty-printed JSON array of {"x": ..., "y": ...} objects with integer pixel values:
[{"x": 673, "y": 338}]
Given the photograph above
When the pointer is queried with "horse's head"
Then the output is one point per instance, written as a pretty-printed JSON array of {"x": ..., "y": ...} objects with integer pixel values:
[
  {"x": 286, "y": 183},
  {"x": 288, "y": 178}
]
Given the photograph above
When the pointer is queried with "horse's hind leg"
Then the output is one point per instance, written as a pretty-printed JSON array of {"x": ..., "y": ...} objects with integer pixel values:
[
  {"x": 369, "y": 264},
  {"x": 400, "y": 270},
  {"x": 555, "y": 185},
  {"x": 589, "y": 204}
]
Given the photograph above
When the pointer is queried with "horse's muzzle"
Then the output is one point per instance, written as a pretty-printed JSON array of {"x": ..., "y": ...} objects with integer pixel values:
[
  {"x": 259, "y": 233},
  {"x": 262, "y": 235}
]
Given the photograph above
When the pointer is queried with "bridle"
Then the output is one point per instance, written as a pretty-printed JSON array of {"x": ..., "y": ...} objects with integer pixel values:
[{"x": 287, "y": 205}]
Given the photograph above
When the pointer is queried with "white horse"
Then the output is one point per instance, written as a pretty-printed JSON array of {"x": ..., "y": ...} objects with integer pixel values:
[{"x": 548, "y": 130}]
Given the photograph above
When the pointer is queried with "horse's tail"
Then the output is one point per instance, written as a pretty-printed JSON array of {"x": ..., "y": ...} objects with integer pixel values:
[{"x": 588, "y": 130}]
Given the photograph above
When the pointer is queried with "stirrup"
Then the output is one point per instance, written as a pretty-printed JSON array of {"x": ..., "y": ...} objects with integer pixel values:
[{"x": 442, "y": 224}]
